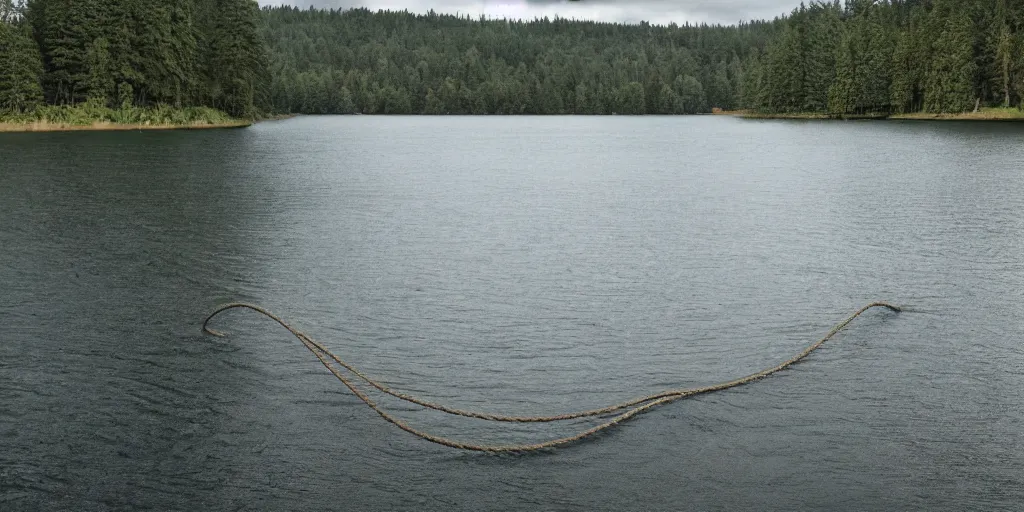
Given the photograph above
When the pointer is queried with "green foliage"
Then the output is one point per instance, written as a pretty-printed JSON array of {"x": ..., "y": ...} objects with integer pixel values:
[
  {"x": 237, "y": 61},
  {"x": 949, "y": 84},
  {"x": 862, "y": 58},
  {"x": 101, "y": 82},
  {"x": 398, "y": 62},
  {"x": 893, "y": 56},
  {"x": 691, "y": 95},
  {"x": 21, "y": 69},
  {"x": 133, "y": 53},
  {"x": 94, "y": 111},
  {"x": 842, "y": 92}
]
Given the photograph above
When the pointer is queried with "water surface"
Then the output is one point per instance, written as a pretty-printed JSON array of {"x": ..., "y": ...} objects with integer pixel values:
[{"x": 519, "y": 266}]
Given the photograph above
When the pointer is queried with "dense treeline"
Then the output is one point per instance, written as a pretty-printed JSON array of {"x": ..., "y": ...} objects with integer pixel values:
[
  {"x": 327, "y": 61},
  {"x": 133, "y": 53},
  {"x": 893, "y": 56},
  {"x": 860, "y": 57}
]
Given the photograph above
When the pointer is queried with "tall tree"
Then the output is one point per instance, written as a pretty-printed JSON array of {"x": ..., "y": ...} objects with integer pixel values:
[
  {"x": 21, "y": 67},
  {"x": 237, "y": 63},
  {"x": 951, "y": 75}
]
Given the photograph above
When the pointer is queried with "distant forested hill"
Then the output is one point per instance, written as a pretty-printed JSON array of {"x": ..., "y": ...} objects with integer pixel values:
[
  {"x": 864, "y": 56},
  {"x": 397, "y": 62}
]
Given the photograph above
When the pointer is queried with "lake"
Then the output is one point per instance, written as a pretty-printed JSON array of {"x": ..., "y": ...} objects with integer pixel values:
[{"x": 521, "y": 265}]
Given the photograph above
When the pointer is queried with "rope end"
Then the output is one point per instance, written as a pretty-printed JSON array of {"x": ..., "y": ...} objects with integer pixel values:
[
  {"x": 891, "y": 307},
  {"x": 212, "y": 332}
]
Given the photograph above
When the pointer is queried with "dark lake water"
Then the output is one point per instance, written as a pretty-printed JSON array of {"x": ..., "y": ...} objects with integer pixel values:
[{"x": 518, "y": 266}]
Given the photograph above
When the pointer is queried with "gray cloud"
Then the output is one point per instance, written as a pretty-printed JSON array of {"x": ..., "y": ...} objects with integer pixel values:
[{"x": 655, "y": 11}]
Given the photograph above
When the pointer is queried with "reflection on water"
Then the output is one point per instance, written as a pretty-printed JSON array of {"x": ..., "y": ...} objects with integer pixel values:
[{"x": 523, "y": 266}]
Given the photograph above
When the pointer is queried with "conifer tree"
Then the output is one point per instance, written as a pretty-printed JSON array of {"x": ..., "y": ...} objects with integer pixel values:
[
  {"x": 21, "y": 67},
  {"x": 949, "y": 85},
  {"x": 691, "y": 95},
  {"x": 238, "y": 60},
  {"x": 820, "y": 42},
  {"x": 842, "y": 94}
]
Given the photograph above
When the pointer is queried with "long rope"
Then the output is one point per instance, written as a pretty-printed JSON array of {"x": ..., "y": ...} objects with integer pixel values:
[{"x": 642, "y": 404}]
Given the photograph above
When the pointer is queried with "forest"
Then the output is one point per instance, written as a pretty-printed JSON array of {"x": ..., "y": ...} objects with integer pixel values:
[
  {"x": 859, "y": 57},
  {"x": 940, "y": 56},
  {"x": 397, "y": 62},
  {"x": 132, "y": 57},
  {"x": 855, "y": 58}
]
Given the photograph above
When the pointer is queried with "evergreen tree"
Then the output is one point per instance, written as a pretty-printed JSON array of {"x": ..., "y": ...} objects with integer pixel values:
[
  {"x": 905, "y": 76},
  {"x": 842, "y": 94},
  {"x": 783, "y": 77},
  {"x": 238, "y": 60},
  {"x": 751, "y": 88},
  {"x": 100, "y": 83},
  {"x": 69, "y": 29},
  {"x": 820, "y": 44},
  {"x": 21, "y": 67},
  {"x": 720, "y": 90},
  {"x": 691, "y": 95},
  {"x": 950, "y": 81}
]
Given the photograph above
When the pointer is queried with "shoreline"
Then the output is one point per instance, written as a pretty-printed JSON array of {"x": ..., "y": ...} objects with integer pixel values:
[
  {"x": 100, "y": 126},
  {"x": 988, "y": 114},
  {"x": 45, "y": 126},
  {"x": 991, "y": 115}
]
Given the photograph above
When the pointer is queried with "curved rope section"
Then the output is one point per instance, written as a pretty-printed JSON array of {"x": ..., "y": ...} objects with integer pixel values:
[{"x": 638, "y": 405}]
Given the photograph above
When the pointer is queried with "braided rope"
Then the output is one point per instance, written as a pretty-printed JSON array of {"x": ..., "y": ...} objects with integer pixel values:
[{"x": 642, "y": 404}]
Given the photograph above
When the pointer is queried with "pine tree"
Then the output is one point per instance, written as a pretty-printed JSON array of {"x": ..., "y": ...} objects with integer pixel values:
[
  {"x": 21, "y": 68},
  {"x": 164, "y": 48},
  {"x": 842, "y": 94},
  {"x": 720, "y": 92},
  {"x": 69, "y": 29},
  {"x": 819, "y": 56},
  {"x": 691, "y": 95},
  {"x": 238, "y": 60},
  {"x": 751, "y": 88},
  {"x": 874, "y": 71},
  {"x": 905, "y": 76},
  {"x": 784, "y": 73},
  {"x": 950, "y": 81},
  {"x": 100, "y": 83},
  {"x": 1002, "y": 47}
]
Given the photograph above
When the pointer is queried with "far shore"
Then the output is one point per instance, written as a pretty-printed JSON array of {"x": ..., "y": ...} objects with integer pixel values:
[
  {"x": 985, "y": 114},
  {"x": 46, "y": 126}
]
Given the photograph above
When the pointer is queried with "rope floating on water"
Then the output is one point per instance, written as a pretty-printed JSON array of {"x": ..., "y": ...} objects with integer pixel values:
[{"x": 635, "y": 406}]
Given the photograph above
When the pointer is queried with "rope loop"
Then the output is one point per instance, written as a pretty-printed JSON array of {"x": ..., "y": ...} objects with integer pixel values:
[{"x": 635, "y": 406}]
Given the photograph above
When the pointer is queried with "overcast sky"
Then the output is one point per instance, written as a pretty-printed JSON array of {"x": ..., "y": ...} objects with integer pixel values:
[{"x": 655, "y": 11}]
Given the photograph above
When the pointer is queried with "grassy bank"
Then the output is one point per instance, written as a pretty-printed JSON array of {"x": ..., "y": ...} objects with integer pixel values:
[
  {"x": 809, "y": 115},
  {"x": 984, "y": 114},
  {"x": 101, "y": 118}
]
